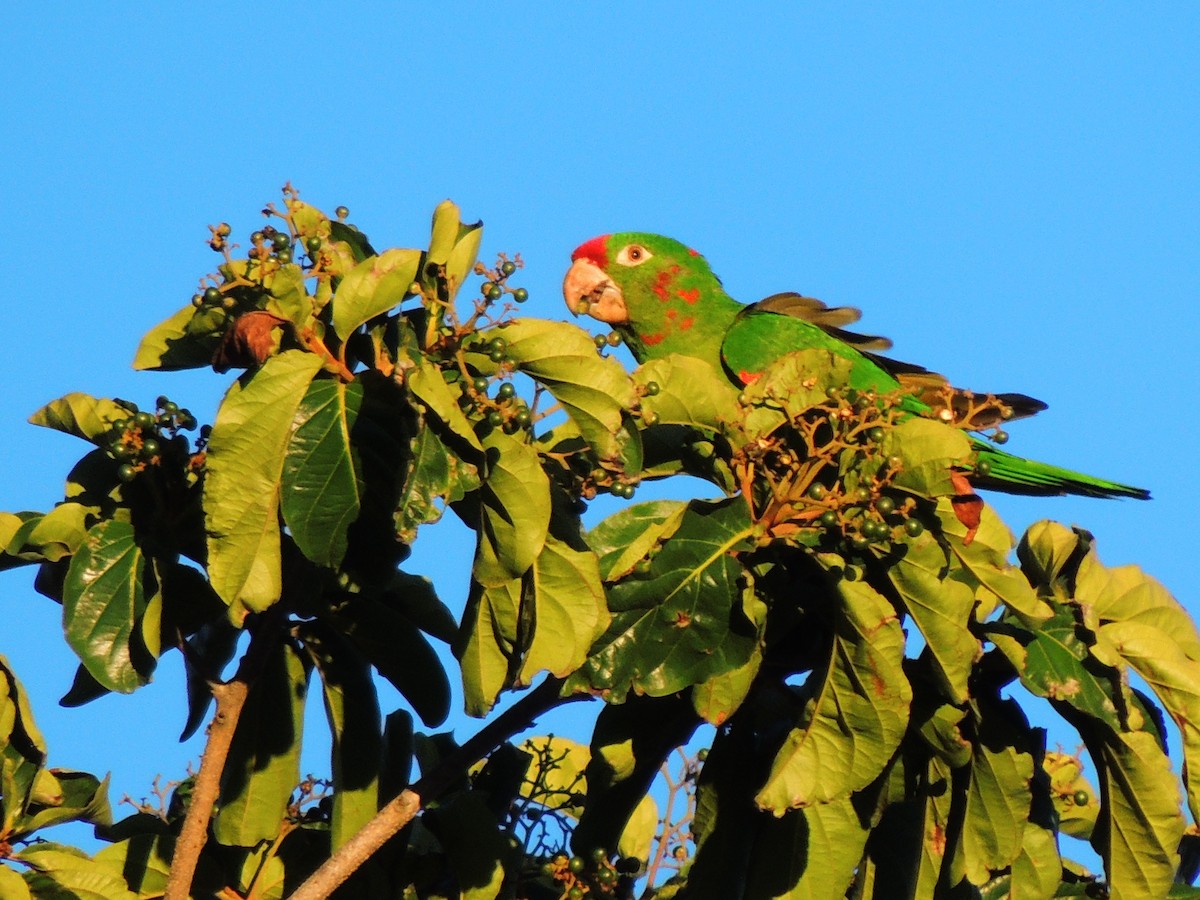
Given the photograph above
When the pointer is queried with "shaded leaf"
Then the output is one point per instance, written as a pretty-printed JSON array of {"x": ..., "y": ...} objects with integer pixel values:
[
  {"x": 372, "y": 287},
  {"x": 177, "y": 343},
  {"x": 82, "y": 415}
]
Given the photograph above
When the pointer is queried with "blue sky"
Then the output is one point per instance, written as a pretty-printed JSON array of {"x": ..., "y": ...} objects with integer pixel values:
[{"x": 1008, "y": 191}]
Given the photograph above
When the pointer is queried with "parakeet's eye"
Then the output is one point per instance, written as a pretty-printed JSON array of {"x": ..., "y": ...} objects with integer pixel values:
[{"x": 633, "y": 255}]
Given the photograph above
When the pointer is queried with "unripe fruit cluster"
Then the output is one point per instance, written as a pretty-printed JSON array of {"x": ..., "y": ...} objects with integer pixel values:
[{"x": 140, "y": 439}]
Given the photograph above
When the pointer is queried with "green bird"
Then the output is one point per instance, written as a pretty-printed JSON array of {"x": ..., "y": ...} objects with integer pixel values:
[{"x": 662, "y": 298}]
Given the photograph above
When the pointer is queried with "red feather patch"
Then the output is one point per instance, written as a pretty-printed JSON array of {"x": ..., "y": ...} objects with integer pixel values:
[{"x": 596, "y": 250}]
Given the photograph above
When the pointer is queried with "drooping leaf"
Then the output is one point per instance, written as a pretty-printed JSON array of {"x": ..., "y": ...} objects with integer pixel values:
[
  {"x": 515, "y": 510},
  {"x": 857, "y": 712},
  {"x": 425, "y": 382},
  {"x": 103, "y": 600},
  {"x": 79, "y": 414},
  {"x": 352, "y": 710},
  {"x": 683, "y": 621},
  {"x": 320, "y": 489},
  {"x": 185, "y": 340},
  {"x": 58, "y": 872},
  {"x": 474, "y": 844},
  {"x": 241, "y": 490},
  {"x": 372, "y": 287},
  {"x": 487, "y": 645},
  {"x": 264, "y": 759}
]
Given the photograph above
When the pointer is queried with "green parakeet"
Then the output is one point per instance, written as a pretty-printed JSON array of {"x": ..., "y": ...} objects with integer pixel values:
[{"x": 662, "y": 298}]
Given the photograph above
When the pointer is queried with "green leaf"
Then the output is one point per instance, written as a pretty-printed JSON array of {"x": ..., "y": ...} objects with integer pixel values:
[
  {"x": 569, "y": 610},
  {"x": 809, "y": 853},
  {"x": 789, "y": 387},
  {"x": 555, "y": 778},
  {"x": 691, "y": 392},
  {"x": 941, "y": 606},
  {"x": 352, "y": 710},
  {"x": 386, "y": 634},
  {"x": 79, "y": 414},
  {"x": 320, "y": 489},
  {"x": 372, "y": 288},
  {"x": 185, "y": 340},
  {"x": 594, "y": 391},
  {"x": 103, "y": 600},
  {"x": 476, "y": 847},
  {"x": 241, "y": 489},
  {"x": 683, "y": 622},
  {"x": 857, "y": 712},
  {"x": 13, "y": 886},
  {"x": 1037, "y": 870},
  {"x": 52, "y": 537},
  {"x": 288, "y": 298},
  {"x": 264, "y": 759},
  {"x": 628, "y": 536},
  {"x": 426, "y": 383},
  {"x": 81, "y": 798},
  {"x": 998, "y": 796},
  {"x": 428, "y": 480},
  {"x": 488, "y": 643},
  {"x": 515, "y": 510},
  {"x": 929, "y": 450},
  {"x": 64, "y": 873}
]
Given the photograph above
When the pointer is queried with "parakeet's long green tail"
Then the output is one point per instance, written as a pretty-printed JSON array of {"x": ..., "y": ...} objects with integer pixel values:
[{"x": 1015, "y": 475}]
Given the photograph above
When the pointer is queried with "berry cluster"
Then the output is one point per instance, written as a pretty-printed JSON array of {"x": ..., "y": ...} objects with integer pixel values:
[
  {"x": 142, "y": 439},
  {"x": 495, "y": 284},
  {"x": 579, "y": 877}
]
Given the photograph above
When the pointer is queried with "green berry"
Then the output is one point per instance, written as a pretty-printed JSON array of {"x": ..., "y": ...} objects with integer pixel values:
[
  {"x": 833, "y": 393},
  {"x": 575, "y": 893},
  {"x": 224, "y": 230},
  {"x": 341, "y": 212},
  {"x": 829, "y": 518},
  {"x": 197, "y": 301},
  {"x": 495, "y": 292},
  {"x": 480, "y": 384},
  {"x": 876, "y": 434},
  {"x": 507, "y": 268},
  {"x": 601, "y": 341},
  {"x": 599, "y": 854},
  {"x": 123, "y": 452},
  {"x": 495, "y": 419},
  {"x": 895, "y": 463},
  {"x": 913, "y": 527},
  {"x": 577, "y": 864},
  {"x": 170, "y": 408},
  {"x": 523, "y": 417},
  {"x": 548, "y": 869},
  {"x": 860, "y": 543},
  {"x": 312, "y": 244},
  {"x": 1082, "y": 798},
  {"x": 161, "y": 401},
  {"x": 212, "y": 296},
  {"x": 520, "y": 295},
  {"x": 498, "y": 343},
  {"x": 120, "y": 426},
  {"x": 817, "y": 492},
  {"x": 613, "y": 339},
  {"x": 507, "y": 391},
  {"x": 496, "y": 355},
  {"x": 257, "y": 237},
  {"x": 983, "y": 467},
  {"x": 150, "y": 448},
  {"x": 186, "y": 420},
  {"x": 606, "y": 877},
  {"x": 652, "y": 388},
  {"x": 1000, "y": 437},
  {"x": 144, "y": 420},
  {"x": 885, "y": 506},
  {"x": 281, "y": 240},
  {"x": 284, "y": 256},
  {"x": 126, "y": 473},
  {"x": 862, "y": 495}
]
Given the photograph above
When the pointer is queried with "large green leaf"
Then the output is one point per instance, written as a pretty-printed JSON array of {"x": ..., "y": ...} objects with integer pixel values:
[
  {"x": 689, "y": 392},
  {"x": 515, "y": 510},
  {"x": 385, "y": 632},
  {"x": 857, "y": 712},
  {"x": 79, "y": 414},
  {"x": 352, "y": 710},
  {"x": 320, "y": 496},
  {"x": 103, "y": 599},
  {"x": 440, "y": 400},
  {"x": 185, "y": 340},
  {"x": 627, "y": 537},
  {"x": 58, "y": 872},
  {"x": 244, "y": 469},
  {"x": 941, "y": 606},
  {"x": 928, "y": 449},
  {"x": 569, "y": 609},
  {"x": 77, "y": 797},
  {"x": 264, "y": 759},
  {"x": 808, "y": 854},
  {"x": 682, "y": 622},
  {"x": 373, "y": 287},
  {"x": 595, "y": 391},
  {"x": 487, "y": 645}
]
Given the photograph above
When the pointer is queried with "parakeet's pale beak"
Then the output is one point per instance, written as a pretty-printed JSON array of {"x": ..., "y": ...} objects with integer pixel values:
[{"x": 587, "y": 289}]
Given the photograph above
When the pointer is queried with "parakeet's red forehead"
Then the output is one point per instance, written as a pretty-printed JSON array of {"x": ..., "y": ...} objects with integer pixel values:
[{"x": 596, "y": 250}]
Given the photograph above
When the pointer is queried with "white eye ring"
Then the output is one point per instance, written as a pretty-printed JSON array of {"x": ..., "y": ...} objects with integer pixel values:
[{"x": 633, "y": 255}]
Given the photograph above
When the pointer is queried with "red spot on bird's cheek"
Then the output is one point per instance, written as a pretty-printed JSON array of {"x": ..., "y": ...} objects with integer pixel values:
[
  {"x": 656, "y": 338},
  {"x": 595, "y": 250},
  {"x": 662, "y": 283},
  {"x": 689, "y": 296}
]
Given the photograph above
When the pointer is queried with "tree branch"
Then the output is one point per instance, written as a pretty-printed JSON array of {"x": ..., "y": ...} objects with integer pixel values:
[
  {"x": 404, "y": 808},
  {"x": 231, "y": 698}
]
